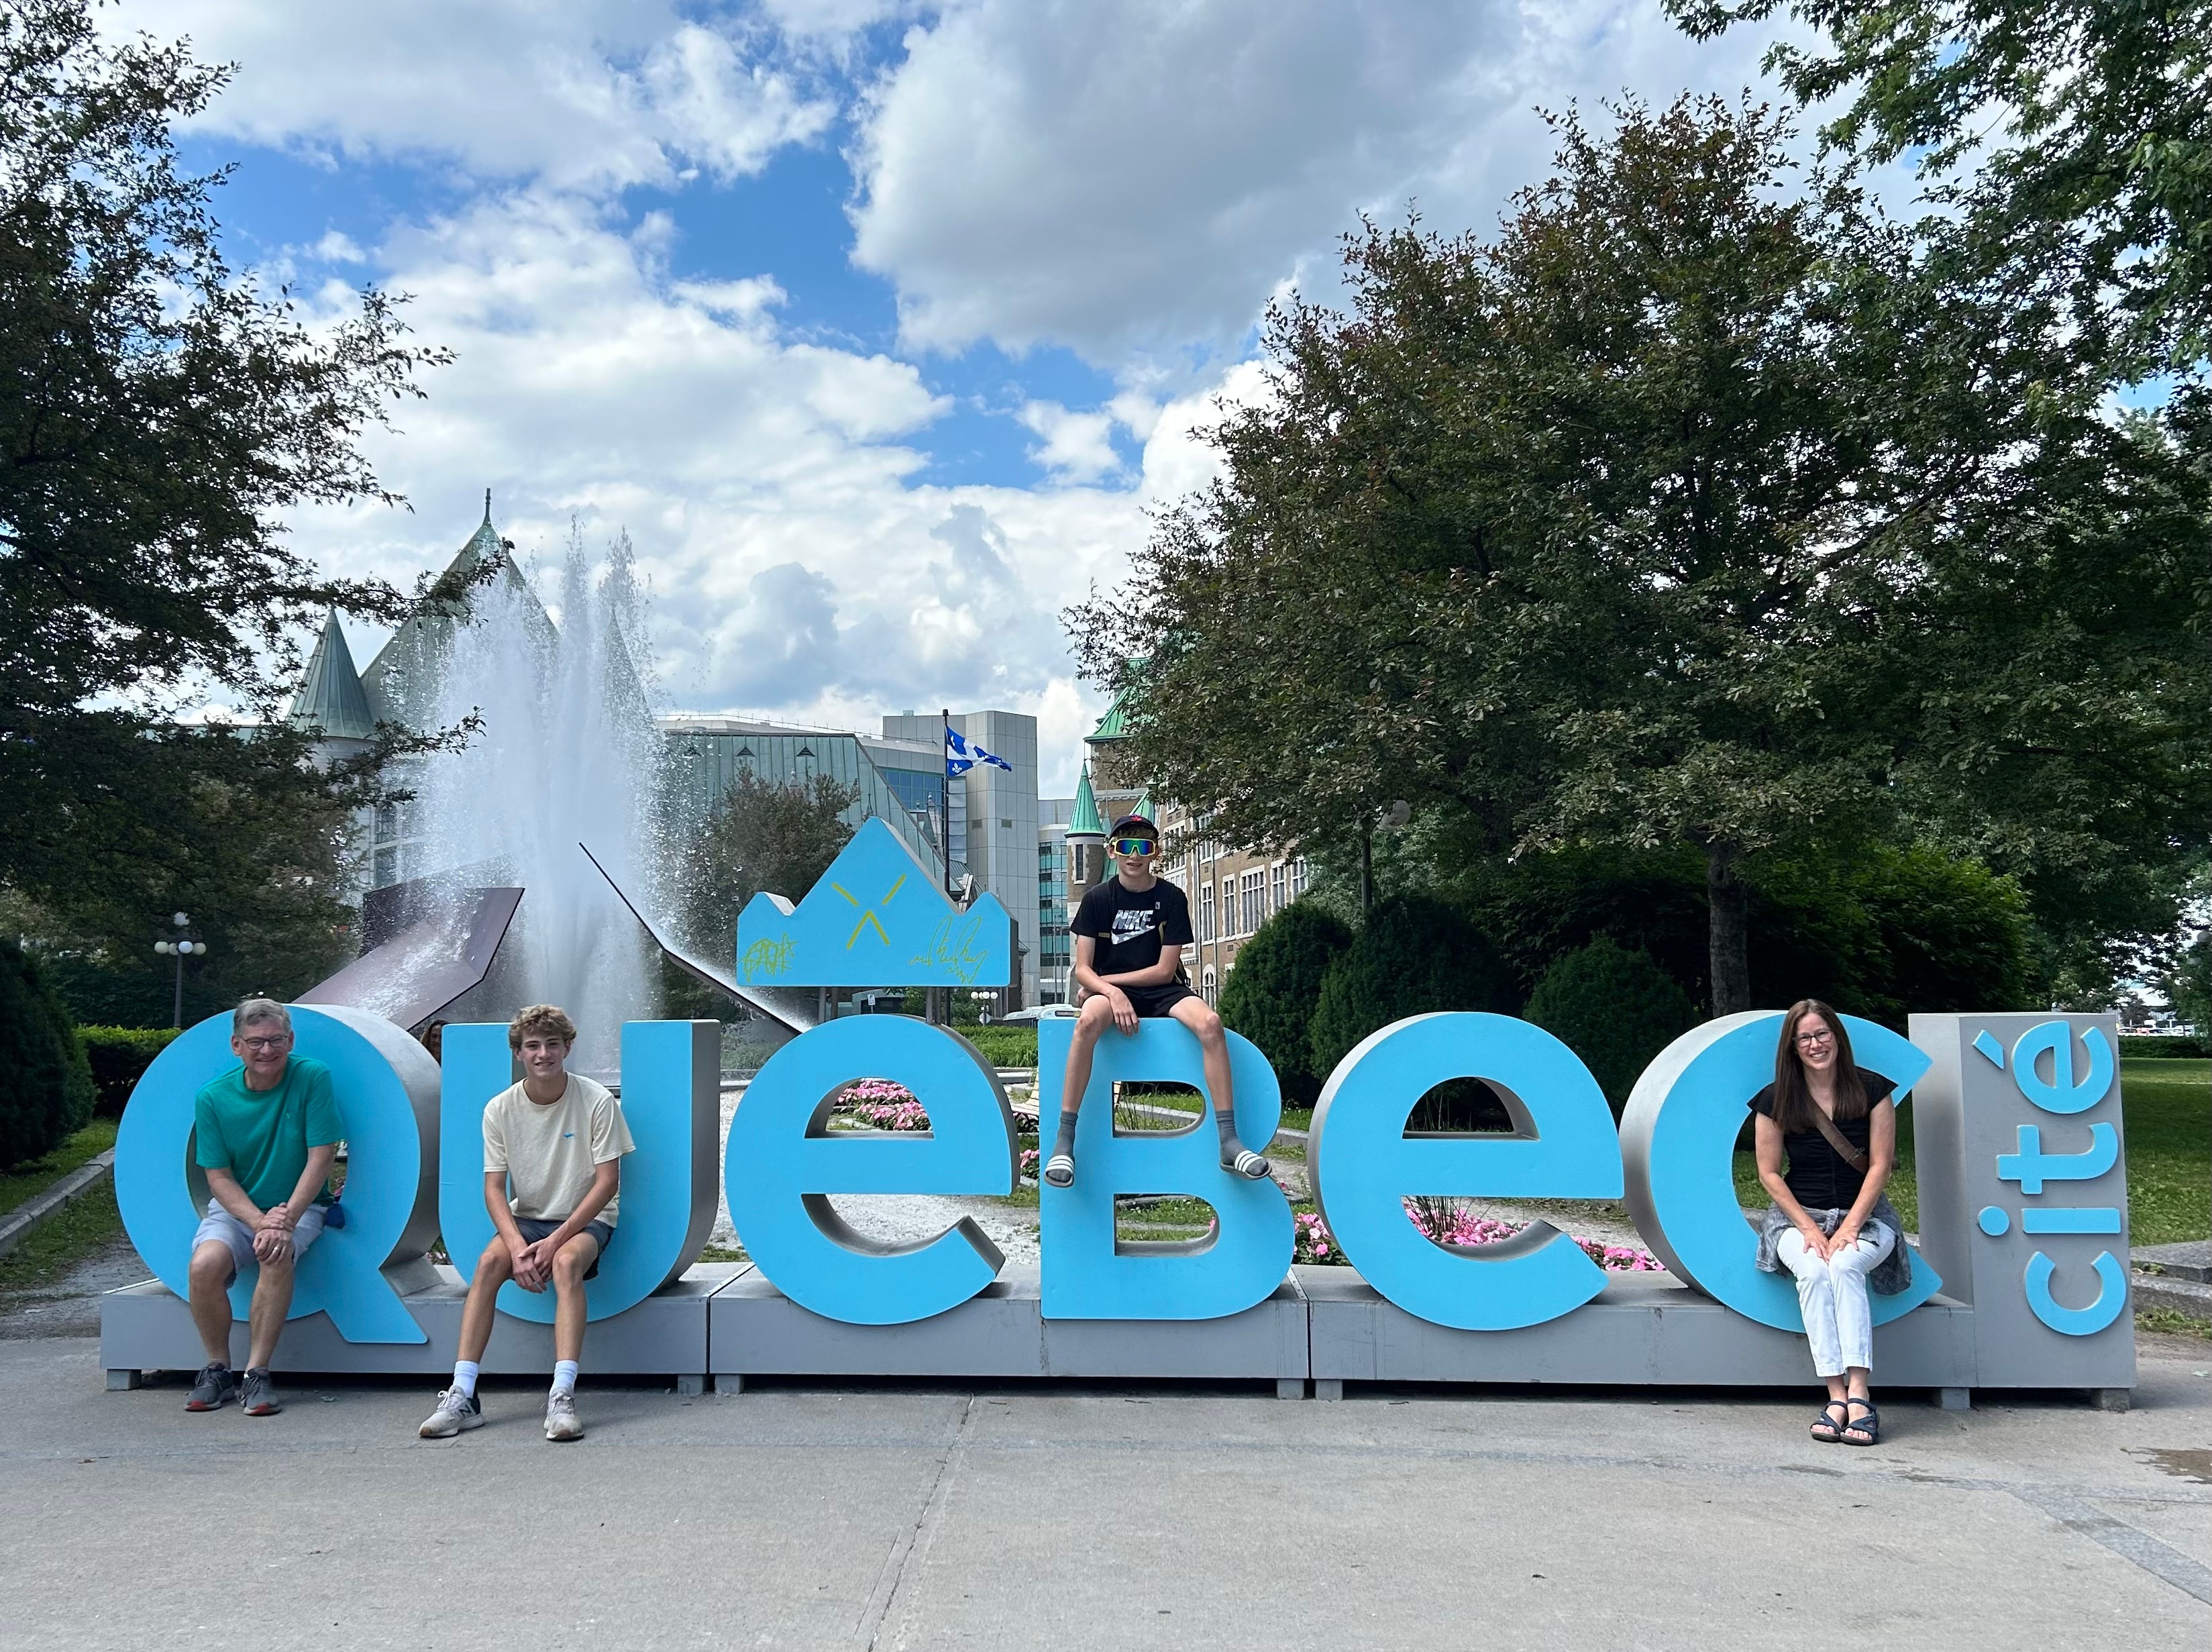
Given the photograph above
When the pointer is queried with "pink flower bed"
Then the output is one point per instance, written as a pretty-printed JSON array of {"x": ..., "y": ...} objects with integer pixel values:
[
  {"x": 883, "y": 1105},
  {"x": 1314, "y": 1242}
]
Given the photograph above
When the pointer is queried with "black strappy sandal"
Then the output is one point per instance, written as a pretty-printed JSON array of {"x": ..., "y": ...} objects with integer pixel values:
[
  {"x": 1834, "y": 1424},
  {"x": 1862, "y": 1431}
]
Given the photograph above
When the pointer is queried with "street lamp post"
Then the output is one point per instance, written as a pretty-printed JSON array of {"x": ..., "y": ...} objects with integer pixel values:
[{"x": 180, "y": 949}]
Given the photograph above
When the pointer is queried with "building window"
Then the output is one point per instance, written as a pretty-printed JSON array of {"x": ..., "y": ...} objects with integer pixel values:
[
  {"x": 1228, "y": 906},
  {"x": 1252, "y": 890},
  {"x": 1206, "y": 989},
  {"x": 1206, "y": 912},
  {"x": 1297, "y": 877},
  {"x": 1278, "y": 876}
]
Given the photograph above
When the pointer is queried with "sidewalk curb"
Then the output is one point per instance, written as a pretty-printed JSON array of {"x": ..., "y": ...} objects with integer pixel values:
[{"x": 27, "y": 1218}]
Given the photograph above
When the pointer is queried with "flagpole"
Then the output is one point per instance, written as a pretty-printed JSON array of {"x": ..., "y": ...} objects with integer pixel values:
[{"x": 945, "y": 778}]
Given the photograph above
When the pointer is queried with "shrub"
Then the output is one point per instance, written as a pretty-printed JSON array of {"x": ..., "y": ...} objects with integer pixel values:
[
  {"x": 1614, "y": 1008},
  {"x": 119, "y": 1057},
  {"x": 1012, "y": 1046},
  {"x": 2169, "y": 1046},
  {"x": 45, "y": 1083},
  {"x": 1275, "y": 987},
  {"x": 1413, "y": 956}
]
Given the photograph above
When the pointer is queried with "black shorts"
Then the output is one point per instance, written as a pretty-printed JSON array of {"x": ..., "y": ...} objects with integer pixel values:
[
  {"x": 533, "y": 1229},
  {"x": 1151, "y": 1002}
]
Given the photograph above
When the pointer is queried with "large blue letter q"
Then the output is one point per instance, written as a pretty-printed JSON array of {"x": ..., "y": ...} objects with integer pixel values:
[
  {"x": 386, "y": 1087},
  {"x": 1364, "y": 1165}
]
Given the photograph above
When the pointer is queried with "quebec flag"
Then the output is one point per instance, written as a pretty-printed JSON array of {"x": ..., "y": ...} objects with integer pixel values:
[{"x": 962, "y": 755}]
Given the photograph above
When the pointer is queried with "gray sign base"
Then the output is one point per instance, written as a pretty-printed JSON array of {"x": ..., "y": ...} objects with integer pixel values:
[
  {"x": 146, "y": 1327},
  {"x": 1325, "y": 1324},
  {"x": 1641, "y": 1329},
  {"x": 757, "y": 1331}
]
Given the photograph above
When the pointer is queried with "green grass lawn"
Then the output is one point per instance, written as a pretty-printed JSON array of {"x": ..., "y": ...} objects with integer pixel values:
[
  {"x": 28, "y": 1180},
  {"x": 2166, "y": 1106},
  {"x": 88, "y": 1224}
]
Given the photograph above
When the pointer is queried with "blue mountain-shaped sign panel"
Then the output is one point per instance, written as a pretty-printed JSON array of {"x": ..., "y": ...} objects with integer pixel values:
[{"x": 877, "y": 918}]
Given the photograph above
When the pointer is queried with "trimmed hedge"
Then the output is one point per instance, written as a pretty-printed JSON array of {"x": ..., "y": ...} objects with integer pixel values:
[
  {"x": 2168, "y": 1046},
  {"x": 1273, "y": 991},
  {"x": 1412, "y": 956},
  {"x": 45, "y": 1083},
  {"x": 119, "y": 1056},
  {"x": 1614, "y": 1008}
]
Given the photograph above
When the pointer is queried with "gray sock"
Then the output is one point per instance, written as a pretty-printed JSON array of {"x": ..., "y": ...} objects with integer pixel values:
[
  {"x": 1065, "y": 1142},
  {"x": 1224, "y": 1119}
]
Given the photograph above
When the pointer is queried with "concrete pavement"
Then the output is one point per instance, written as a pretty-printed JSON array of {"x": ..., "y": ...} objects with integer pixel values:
[{"x": 1101, "y": 1518}]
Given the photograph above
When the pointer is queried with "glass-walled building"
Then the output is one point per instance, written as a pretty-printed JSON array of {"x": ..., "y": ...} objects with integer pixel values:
[
  {"x": 1055, "y": 953},
  {"x": 901, "y": 780}
]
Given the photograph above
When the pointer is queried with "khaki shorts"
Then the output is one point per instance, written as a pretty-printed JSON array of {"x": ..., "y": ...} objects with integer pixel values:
[{"x": 221, "y": 1228}]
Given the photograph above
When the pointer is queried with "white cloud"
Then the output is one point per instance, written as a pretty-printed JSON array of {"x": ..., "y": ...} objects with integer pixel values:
[
  {"x": 1134, "y": 178},
  {"x": 576, "y": 93},
  {"x": 765, "y": 480},
  {"x": 1075, "y": 447}
]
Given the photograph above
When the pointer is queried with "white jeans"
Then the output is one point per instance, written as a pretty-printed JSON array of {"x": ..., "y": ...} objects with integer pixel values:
[{"x": 1833, "y": 1294}]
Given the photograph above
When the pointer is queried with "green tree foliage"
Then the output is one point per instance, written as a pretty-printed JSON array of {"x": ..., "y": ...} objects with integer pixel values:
[
  {"x": 158, "y": 412},
  {"x": 1690, "y": 513},
  {"x": 45, "y": 1085},
  {"x": 1413, "y": 956},
  {"x": 760, "y": 837},
  {"x": 2188, "y": 985},
  {"x": 2073, "y": 138},
  {"x": 1273, "y": 993},
  {"x": 1615, "y": 1008}
]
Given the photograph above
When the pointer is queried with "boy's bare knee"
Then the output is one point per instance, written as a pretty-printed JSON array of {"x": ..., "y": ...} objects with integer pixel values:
[
  {"x": 211, "y": 1267},
  {"x": 496, "y": 1261}
]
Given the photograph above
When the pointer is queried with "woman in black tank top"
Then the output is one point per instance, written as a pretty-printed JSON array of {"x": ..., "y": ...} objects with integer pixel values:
[{"x": 1830, "y": 1227}]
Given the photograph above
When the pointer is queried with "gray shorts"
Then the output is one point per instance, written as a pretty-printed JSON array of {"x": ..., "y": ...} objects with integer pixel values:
[
  {"x": 221, "y": 1228},
  {"x": 535, "y": 1228}
]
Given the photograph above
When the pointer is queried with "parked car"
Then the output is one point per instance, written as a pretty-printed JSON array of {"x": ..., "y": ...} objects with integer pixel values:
[{"x": 1042, "y": 1012}]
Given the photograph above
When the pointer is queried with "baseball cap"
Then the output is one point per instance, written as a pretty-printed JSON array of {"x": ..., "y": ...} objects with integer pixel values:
[{"x": 1133, "y": 823}]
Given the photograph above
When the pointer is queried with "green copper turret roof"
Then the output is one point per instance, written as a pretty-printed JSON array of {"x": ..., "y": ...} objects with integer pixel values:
[
  {"x": 1084, "y": 822},
  {"x": 330, "y": 697},
  {"x": 1113, "y": 726}
]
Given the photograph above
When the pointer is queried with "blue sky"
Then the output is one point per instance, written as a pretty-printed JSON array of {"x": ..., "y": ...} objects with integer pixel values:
[{"x": 878, "y": 326}]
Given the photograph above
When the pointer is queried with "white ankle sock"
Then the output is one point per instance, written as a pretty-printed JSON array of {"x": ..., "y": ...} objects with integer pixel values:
[
  {"x": 564, "y": 1376},
  {"x": 465, "y": 1376}
]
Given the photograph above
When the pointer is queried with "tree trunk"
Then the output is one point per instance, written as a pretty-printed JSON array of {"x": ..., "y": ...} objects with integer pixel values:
[
  {"x": 1728, "y": 932},
  {"x": 1366, "y": 871}
]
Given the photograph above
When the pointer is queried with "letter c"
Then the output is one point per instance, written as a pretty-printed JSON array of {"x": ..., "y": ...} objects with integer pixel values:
[{"x": 1678, "y": 1137}]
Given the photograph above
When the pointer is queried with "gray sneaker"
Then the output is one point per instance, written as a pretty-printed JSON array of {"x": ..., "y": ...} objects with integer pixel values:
[
  {"x": 258, "y": 1398},
  {"x": 562, "y": 1422},
  {"x": 216, "y": 1387},
  {"x": 456, "y": 1411}
]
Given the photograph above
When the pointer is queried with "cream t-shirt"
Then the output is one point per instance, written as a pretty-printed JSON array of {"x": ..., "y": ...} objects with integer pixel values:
[{"x": 550, "y": 1152}]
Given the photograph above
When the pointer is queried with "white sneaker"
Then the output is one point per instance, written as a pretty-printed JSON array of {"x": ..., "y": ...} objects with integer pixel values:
[
  {"x": 456, "y": 1411},
  {"x": 562, "y": 1422}
]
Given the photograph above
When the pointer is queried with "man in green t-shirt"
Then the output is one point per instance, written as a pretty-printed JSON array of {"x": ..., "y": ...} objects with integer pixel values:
[{"x": 265, "y": 1133}]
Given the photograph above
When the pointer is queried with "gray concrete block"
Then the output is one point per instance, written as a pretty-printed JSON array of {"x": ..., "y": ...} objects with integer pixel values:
[
  {"x": 145, "y": 1327},
  {"x": 1956, "y": 1399},
  {"x": 756, "y": 1331},
  {"x": 1638, "y": 1331},
  {"x": 2109, "y": 1399},
  {"x": 123, "y": 1379}
]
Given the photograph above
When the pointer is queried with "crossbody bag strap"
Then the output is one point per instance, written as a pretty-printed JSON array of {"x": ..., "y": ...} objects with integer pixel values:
[{"x": 1849, "y": 1155}]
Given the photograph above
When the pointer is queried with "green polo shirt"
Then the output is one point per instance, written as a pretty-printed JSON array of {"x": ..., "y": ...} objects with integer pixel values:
[{"x": 262, "y": 1136}]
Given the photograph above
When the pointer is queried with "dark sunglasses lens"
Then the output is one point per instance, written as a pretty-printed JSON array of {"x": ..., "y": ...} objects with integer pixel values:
[{"x": 1132, "y": 846}]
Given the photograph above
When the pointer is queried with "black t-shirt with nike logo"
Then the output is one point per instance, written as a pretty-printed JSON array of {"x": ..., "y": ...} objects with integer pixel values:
[{"x": 1130, "y": 927}]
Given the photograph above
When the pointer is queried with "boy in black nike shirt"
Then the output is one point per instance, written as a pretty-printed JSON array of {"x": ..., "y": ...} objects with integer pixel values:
[{"x": 1129, "y": 935}]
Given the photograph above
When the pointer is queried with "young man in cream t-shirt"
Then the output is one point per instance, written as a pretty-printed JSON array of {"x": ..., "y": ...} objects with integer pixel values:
[{"x": 554, "y": 1143}]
